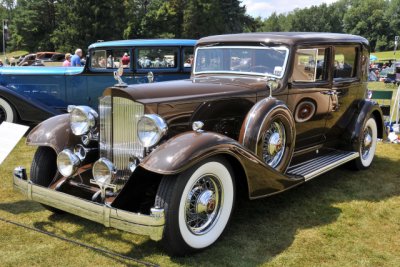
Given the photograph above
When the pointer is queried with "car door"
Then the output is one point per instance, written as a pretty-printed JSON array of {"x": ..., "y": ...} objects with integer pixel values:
[
  {"x": 345, "y": 88},
  {"x": 309, "y": 94}
]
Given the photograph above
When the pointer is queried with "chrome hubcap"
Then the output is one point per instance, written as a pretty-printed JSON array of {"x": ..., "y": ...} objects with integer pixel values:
[
  {"x": 203, "y": 204},
  {"x": 367, "y": 143},
  {"x": 274, "y": 144}
]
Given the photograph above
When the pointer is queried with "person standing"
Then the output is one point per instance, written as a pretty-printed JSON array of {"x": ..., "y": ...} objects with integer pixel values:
[
  {"x": 125, "y": 60},
  {"x": 76, "y": 59},
  {"x": 67, "y": 62}
]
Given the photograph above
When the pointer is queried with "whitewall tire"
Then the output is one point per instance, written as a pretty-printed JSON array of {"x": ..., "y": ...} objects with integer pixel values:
[
  {"x": 198, "y": 205},
  {"x": 367, "y": 144},
  {"x": 7, "y": 112}
]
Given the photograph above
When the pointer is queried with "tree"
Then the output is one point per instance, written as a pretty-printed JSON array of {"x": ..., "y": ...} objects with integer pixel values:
[
  {"x": 208, "y": 17},
  {"x": 32, "y": 24},
  {"x": 80, "y": 23},
  {"x": 367, "y": 18}
]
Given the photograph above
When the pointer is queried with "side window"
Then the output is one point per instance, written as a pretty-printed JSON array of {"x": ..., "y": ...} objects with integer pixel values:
[
  {"x": 188, "y": 57},
  {"x": 310, "y": 65},
  {"x": 157, "y": 58},
  {"x": 98, "y": 59},
  {"x": 110, "y": 59},
  {"x": 345, "y": 62},
  {"x": 118, "y": 57}
]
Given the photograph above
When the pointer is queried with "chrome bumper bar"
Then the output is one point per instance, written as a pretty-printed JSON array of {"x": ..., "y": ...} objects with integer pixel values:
[{"x": 149, "y": 225}]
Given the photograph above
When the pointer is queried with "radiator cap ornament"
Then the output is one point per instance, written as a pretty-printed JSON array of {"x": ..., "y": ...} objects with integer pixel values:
[{"x": 117, "y": 76}]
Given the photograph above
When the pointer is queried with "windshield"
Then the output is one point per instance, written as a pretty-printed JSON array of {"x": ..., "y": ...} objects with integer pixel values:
[{"x": 251, "y": 60}]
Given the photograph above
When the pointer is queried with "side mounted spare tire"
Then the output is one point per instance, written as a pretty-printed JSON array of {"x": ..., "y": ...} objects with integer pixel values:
[
  {"x": 269, "y": 131},
  {"x": 7, "y": 112}
]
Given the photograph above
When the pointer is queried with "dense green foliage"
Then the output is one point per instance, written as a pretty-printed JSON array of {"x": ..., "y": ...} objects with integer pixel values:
[
  {"x": 66, "y": 24},
  {"x": 376, "y": 20}
]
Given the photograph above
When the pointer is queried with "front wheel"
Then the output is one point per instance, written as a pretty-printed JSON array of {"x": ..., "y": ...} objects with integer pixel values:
[
  {"x": 366, "y": 145},
  {"x": 198, "y": 205},
  {"x": 44, "y": 170}
]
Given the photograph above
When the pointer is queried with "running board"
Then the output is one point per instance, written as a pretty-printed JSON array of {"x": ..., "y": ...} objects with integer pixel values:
[{"x": 321, "y": 164}]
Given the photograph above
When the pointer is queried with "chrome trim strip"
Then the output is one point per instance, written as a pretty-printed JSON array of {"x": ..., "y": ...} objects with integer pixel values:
[
  {"x": 149, "y": 225},
  {"x": 105, "y": 138}
]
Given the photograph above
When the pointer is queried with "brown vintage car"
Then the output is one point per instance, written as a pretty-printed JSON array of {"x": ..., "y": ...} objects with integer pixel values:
[{"x": 262, "y": 113}]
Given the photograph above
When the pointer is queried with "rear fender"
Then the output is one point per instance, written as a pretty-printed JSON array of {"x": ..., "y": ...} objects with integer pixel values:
[
  {"x": 185, "y": 150},
  {"x": 366, "y": 109},
  {"x": 28, "y": 109},
  {"x": 54, "y": 132}
]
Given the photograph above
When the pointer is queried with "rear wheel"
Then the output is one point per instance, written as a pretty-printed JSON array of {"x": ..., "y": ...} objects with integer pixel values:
[
  {"x": 44, "y": 169},
  {"x": 198, "y": 204},
  {"x": 366, "y": 145},
  {"x": 7, "y": 112}
]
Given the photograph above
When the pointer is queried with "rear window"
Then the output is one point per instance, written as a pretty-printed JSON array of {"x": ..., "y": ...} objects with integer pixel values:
[{"x": 345, "y": 62}]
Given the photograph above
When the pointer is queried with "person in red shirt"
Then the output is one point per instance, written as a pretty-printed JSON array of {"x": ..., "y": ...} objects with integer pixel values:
[{"x": 125, "y": 60}]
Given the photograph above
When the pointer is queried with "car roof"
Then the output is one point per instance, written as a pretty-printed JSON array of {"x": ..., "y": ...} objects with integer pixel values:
[
  {"x": 289, "y": 38},
  {"x": 145, "y": 42}
]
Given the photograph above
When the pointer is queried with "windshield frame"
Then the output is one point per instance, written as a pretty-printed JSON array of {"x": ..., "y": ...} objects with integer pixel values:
[{"x": 280, "y": 47}]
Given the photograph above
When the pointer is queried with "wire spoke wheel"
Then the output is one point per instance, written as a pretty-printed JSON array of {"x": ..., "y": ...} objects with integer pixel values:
[
  {"x": 366, "y": 142},
  {"x": 203, "y": 204},
  {"x": 274, "y": 144}
]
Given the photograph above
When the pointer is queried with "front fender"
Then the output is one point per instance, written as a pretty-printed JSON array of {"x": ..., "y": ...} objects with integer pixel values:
[
  {"x": 185, "y": 150},
  {"x": 54, "y": 132},
  {"x": 28, "y": 109}
]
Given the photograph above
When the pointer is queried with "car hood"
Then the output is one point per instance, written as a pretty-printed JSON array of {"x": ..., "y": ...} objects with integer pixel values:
[
  {"x": 195, "y": 88},
  {"x": 40, "y": 70}
]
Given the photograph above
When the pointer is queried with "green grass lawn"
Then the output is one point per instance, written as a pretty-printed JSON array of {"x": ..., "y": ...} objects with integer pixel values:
[{"x": 343, "y": 218}]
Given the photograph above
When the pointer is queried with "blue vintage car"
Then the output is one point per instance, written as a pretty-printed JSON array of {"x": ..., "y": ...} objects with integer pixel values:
[{"x": 32, "y": 94}]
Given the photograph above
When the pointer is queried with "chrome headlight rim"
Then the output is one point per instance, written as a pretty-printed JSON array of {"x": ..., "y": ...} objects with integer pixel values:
[
  {"x": 159, "y": 124},
  {"x": 67, "y": 162},
  {"x": 109, "y": 166},
  {"x": 81, "y": 126}
]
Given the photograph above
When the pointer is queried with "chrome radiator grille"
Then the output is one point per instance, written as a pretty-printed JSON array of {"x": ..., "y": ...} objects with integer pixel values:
[{"x": 118, "y": 132}]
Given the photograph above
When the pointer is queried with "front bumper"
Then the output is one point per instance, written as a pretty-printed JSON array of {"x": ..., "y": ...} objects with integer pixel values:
[{"x": 149, "y": 225}]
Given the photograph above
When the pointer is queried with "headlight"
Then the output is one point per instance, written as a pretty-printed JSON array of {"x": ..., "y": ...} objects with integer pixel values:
[
  {"x": 82, "y": 119},
  {"x": 151, "y": 128},
  {"x": 67, "y": 162},
  {"x": 103, "y": 171}
]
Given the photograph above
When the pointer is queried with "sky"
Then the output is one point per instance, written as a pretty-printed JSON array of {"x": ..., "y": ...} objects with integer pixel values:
[{"x": 264, "y": 8}]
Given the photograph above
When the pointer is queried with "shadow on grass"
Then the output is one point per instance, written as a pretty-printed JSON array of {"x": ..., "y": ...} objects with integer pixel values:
[
  {"x": 20, "y": 207},
  {"x": 259, "y": 230}
]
